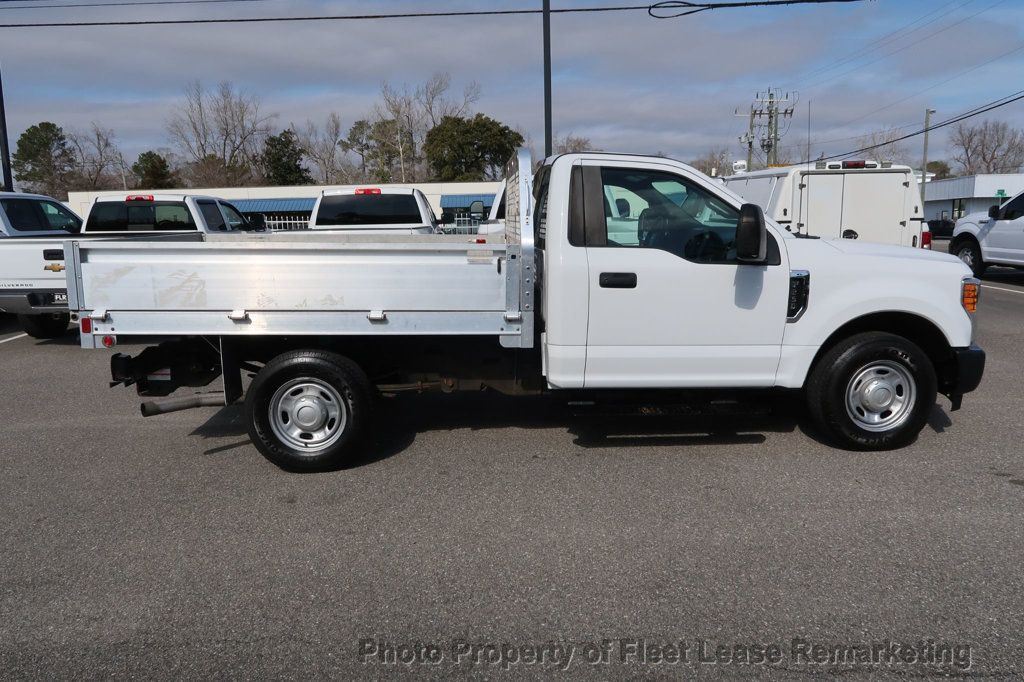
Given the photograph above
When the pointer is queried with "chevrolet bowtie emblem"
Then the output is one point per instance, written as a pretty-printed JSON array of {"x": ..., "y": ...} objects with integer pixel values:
[{"x": 54, "y": 267}]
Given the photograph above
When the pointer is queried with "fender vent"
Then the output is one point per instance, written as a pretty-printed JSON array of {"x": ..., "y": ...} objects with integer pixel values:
[{"x": 799, "y": 294}]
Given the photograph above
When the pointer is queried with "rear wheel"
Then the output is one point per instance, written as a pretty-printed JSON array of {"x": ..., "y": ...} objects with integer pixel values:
[
  {"x": 872, "y": 391},
  {"x": 45, "y": 326},
  {"x": 969, "y": 252},
  {"x": 307, "y": 409}
]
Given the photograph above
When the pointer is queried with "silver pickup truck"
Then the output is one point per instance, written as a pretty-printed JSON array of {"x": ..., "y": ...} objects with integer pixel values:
[{"x": 32, "y": 284}]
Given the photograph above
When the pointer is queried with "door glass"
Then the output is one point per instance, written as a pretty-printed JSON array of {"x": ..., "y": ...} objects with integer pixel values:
[
  {"x": 235, "y": 219},
  {"x": 24, "y": 215},
  {"x": 1014, "y": 208},
  {"x": 212, "y": 215},
  {"x": 657, "y": 210},
  {"x": 60, "y": 218}
]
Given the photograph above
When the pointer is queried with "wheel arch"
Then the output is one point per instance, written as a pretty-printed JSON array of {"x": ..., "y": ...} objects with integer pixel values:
[{"x": 919, "y": 330}]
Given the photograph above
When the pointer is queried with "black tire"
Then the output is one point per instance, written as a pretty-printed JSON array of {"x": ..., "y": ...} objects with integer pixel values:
[
  {"x": 45, "y": 326},
  {"x": 969, "y": 252},
  {"x": 325, "y": 381},
  {"x": 903, "y": 370}
]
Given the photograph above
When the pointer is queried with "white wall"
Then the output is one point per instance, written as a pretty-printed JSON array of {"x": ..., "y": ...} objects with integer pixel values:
[{"x": 79, "y": 202}]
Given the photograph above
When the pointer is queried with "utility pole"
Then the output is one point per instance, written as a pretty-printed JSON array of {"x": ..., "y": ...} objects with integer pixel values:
[
  {"x": 747, "y": 140},
  {"x": 5, "y": 149},
  {"x": 768, "y": 106},
  {"x": 924, "y": 160},
  {"x": 547, "y": 80}
]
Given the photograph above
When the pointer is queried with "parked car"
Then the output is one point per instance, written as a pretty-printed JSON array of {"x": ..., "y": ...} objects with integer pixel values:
[
  {"x": 375, "y": 210},
  {"x": 995, "y": 238},
  {"x": 32, "y": 283},
  {"x": 707, "y": 294},
  {"x": 941, "y": 228},
  {"x": 864, "y": 200}
]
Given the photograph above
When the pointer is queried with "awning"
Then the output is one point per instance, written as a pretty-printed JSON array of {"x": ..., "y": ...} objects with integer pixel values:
[{"x": 274, "y": 205}]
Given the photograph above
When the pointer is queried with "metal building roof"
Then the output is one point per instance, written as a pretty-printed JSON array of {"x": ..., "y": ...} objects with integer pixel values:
[
  {"x": 274, "y": 205},
  {"x": 464, "y": 200}
]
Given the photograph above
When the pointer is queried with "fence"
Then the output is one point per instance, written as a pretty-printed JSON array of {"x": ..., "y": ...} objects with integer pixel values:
[{"x": 283, "y": 223}]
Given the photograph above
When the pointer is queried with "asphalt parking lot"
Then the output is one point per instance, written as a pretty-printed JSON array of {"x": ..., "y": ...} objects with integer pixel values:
[{"x": 168, "y": 547}]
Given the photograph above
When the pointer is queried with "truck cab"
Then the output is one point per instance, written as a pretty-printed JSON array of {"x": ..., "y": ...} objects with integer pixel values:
[
  {"x": 374, "y": 210},
  {"x": 35, "y": 215}
]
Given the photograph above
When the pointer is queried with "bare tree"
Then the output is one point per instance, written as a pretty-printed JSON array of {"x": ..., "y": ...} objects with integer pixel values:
[
  {"x": 221, "y": 131},
  {"x": 432, "y": 98},
  {"x": 324, "y": 148},
  {"x": 571, "y": 144},
  {"x": 97, "y": 161},
  {"x": 989, "y": 147},
  {"x": 715, "y": 162},
  {"x": 405, "y": 116},
  {"x": 885, "y": 146}
]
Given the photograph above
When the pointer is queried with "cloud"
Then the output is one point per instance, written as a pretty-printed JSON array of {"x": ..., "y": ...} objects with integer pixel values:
[{"x": 626, "y": 81}]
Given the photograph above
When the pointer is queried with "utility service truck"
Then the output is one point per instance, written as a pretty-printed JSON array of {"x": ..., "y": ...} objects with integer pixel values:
[
  {"x": 32, "y": 283},
  {"x": 704, "y": 294},
  {"x": 864, "y": 200}
]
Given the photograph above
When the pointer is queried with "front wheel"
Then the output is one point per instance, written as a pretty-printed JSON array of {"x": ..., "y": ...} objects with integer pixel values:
[
  {"x": 306, "y": 410},
  {"x": 970, "y": 253},
  {"x": 872, "y": 391},
  {"x": 45, "y": 326}
]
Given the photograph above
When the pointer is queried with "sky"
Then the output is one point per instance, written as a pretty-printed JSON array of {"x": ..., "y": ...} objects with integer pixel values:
[{"x": 626, "y": 81}]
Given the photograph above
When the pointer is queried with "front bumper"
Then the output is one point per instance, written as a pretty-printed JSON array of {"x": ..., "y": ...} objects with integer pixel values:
[
  {"x": 31, "y": 301},
  {"x": 963, "y": 374}
]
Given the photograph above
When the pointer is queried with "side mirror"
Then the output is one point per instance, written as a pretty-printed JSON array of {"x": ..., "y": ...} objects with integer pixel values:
[
  {"x": 751, "y": 235},
  {"x": 447, "y": 218},
  {"x": 993, "y": 212},
  {"x": 476, "y": 208},
  {"x": 258, "y": 222}
]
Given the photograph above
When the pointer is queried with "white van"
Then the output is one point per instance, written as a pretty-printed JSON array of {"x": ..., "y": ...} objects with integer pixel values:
[{"x": 864, "y": 200}]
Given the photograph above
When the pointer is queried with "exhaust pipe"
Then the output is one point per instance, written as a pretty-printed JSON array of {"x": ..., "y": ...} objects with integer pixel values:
[{"x": 155, "y": 407}]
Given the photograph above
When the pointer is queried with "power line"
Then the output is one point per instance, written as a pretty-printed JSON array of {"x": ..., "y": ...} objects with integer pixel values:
[
  {"x": 819, "y": 83},
  {"x": 865, "y": 48},
  {"x": 651, "y": 9},
  {"x": 977, "y": 111},
  {"x": 932, "y": 87}
]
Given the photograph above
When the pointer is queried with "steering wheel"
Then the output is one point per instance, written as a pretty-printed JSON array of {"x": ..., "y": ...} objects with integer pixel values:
[{"x": 707, "y": 246}]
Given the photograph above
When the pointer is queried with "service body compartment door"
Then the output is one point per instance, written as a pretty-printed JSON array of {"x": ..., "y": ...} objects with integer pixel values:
[
  {"x": 874, "y": 206},
  {"x": 820, "y": 198},
  {"x": 670, "y": 306}
]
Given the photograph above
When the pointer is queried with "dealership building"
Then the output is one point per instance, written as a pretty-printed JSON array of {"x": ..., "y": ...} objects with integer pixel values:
[{"x": 954, "y": 198}]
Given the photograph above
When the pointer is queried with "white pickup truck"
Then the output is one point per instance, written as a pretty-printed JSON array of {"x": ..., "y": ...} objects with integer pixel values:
[
  {"x": 32, "y": 284},
  {"x": 853, "y": 199},
  {"x": 995, "y": 238},
  {"x": 706, "y": 294},
  {"x": 375, "y": 210}
]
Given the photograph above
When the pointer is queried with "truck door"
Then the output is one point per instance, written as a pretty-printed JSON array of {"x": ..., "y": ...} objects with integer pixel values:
[
  {"x": 670, "y": 306},
  {"x": 1005, "y": 240},
  {"x": 820, "y": 200},
  {"x": 875, "y": 207}
]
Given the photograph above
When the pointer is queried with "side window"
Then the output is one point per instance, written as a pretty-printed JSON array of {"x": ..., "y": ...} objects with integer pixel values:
[
  {"x": 24, "y": 215},
  {"x": 658, "y": 210},
  {"x": 173, "y": 217},
  {"x": 212, "y": 215},
  {"x": 60, "y": 218},
  {"x": 235, "y": 219},
  {"x": 541, "y": 183},
  {"x": 1014, "y": 209}
]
